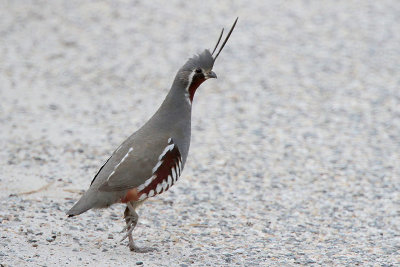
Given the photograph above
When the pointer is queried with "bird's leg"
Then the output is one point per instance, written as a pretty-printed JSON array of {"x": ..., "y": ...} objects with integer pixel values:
[{"x": 131, "y": 219}]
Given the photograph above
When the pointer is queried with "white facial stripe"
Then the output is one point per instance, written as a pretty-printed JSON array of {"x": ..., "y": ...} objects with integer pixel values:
[
  {"x": 143, "y": 196},
  {"x": 190, "y": 78}
]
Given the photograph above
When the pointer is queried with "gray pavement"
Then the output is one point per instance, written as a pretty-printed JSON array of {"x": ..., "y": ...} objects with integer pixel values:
[{"x": 295, "y": 154}]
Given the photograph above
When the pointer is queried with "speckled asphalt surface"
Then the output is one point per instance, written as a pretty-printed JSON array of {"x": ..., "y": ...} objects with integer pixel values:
[{"x": 295, "y": 155}]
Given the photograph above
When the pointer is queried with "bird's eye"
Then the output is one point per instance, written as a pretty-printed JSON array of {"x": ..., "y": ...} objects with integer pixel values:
[{"x": 198, "y": 70}]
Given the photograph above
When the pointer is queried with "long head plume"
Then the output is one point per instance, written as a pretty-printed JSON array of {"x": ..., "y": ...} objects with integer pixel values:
[{"x": 226, "y": 39}]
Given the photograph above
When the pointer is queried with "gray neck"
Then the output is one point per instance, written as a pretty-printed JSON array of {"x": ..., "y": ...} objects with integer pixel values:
[
  {"x": 176, "y": 104},
  {"x": 173, "y": 118}
]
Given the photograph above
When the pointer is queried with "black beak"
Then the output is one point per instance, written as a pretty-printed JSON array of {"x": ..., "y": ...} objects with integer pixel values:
[{"x": 210, "y": 74}]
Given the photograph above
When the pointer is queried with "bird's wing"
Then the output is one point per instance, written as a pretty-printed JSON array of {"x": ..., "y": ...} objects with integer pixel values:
[
  {"x": 145, "y": 168},
  {"x": 97, "y": 174}
]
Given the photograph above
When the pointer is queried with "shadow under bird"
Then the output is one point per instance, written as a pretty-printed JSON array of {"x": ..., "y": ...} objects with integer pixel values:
[{"x": 151, "y": 160}]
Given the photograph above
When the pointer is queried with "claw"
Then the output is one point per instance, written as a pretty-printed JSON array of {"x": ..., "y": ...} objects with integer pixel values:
[
  {"x": 125, "y": 236},
  {"x": 124, "y": 229},
  {"x": 129, "y": 223},
  {"x": 128, "y": 233}
]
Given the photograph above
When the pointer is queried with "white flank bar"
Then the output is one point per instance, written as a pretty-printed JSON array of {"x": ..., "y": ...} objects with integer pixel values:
[
  {"x": 159, "y": 188},
  {"x": 173, "y": 172},
  {"x": 176, "y": 173},
  {"x": 157, "y": 166},
  {"x": 143, "y": 196},
  {"x": 168, "y": 148},
  {"x": 141, "y": 187},
  {"x": 165, "y": 184},
  {"x": 151, "y": 193}
]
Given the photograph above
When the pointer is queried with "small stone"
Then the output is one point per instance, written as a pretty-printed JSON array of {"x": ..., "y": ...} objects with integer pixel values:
[
  {"x": 110, "y": 236},
  {"x": 114, "y": 217},
  {"x": 139, "y": 263},
  {"x": 50, "y": 239},
  {"x": 53, "y": 106}
]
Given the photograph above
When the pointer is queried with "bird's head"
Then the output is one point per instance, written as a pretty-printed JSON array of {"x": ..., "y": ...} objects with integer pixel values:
[{"x": 199, "y": 68}]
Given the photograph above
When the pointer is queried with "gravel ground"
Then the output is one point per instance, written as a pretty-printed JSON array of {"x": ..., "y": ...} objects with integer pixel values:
[{"x": 295, "y": 149}]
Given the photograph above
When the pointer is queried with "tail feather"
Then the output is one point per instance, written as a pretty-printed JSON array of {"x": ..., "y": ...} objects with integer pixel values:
[
  {"x": 84, "y": 204},
  {"x": 94, "y": 199},
  {"x": 77, "y": 209}
]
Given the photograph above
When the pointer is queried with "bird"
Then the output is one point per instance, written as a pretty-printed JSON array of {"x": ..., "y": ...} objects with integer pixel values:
[{"x": 152, "y": 159}]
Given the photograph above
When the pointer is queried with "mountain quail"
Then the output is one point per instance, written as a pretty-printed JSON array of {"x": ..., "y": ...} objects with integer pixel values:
[{"x": 151, "y": 160}]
